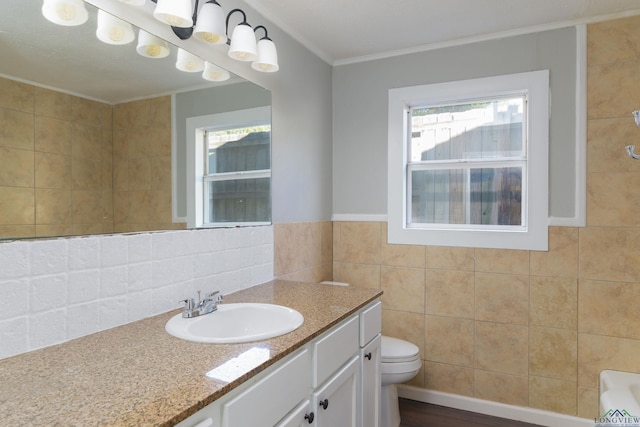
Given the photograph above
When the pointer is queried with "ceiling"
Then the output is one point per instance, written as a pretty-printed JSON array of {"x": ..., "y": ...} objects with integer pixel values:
[
  {"x": 355, "y": 30},
  {"x": 343, "y": 31}
]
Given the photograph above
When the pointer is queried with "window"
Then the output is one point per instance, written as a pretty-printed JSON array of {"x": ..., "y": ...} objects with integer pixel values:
[
  {"x": 468, "y": 163},
  {"x": 230, "y": 163}
]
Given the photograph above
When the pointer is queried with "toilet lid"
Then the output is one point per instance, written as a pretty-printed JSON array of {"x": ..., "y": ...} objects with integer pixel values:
[{"x": 394, "y": 350}]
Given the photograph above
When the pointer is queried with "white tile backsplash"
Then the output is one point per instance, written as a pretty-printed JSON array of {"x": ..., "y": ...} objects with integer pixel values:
[{"x": 60, "y": 289}]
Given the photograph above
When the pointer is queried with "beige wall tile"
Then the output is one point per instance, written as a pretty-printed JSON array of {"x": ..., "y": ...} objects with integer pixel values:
[
  {"x": 611, "y": 200},
  {"x": 612, "y": 90},
  {"x": 602, "y": 155},
  {"x": 401, "y": 255},
  {"x": 501, "y": 348},
  {"x": 588, "y": 402},
  {"x": 360, "y": 242},
  {"x": 16, "y": 129},
  {"x": 449, "y": 378},
  {"x": 17, "y": 96},
  {"x": 449, "y": 340},
  {"x": 502, "y": 298},
  {"x": 86, "y": 173},
  {"x": 502, "y": 261},
  {"x": 16, "y": 168},
  {"x": 598, "y": 352},
  {"x": 140, "y": 174},
  {"x": 17, "y": 206},
  {"x": 53, "y": 207},
  {"x": 326, "y": 233},
  {"x": 309, "y": 245},
  {"x": 403, "y": 288},
  {"x": 160, "y": 207},
  {"x": 285, "y": 259},
  {"x": 607, "y": 308},
  {"x": 15, "y": 231},
  {"x": 53, "y": 104},
  {"x": 450, "y": 258},
  {"x": 120, "y": 174},
  {"x": 553, "y": 395},
  {"x": 359, "y": 275},
  {"x": 613, "y": 41},
  {"x": 562, "y": 257},
  {"x": 554, "y": 302},
  {"x": 405, "y": 326},
  {"x": 53, "y": 135},
  {"x": 53, "y": 171},
  {"x": 161, "y": 173},
  {"x": 86, "y": 141},
  {"x": 139, "y": 206},
  {"x": 450, "y": 293},
  {"x": 610, "y": 253},
  {"x": 54, "y": 230},
  {"x": 139, "y": 144},
  {"x": 499, "y": 387},
  {"x": 86, "y": 207},
  {"x": 553, "y": 353},
  {"x": 91, "y": 113}
]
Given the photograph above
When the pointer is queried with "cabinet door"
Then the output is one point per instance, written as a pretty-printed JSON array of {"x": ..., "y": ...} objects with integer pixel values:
[
  {"x": 335, "y": 402},
  {"x": 301, "y": 416},
  {"x": 370, "y": 384}
]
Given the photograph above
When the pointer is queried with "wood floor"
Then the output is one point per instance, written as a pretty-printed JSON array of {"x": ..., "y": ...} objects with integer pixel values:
[{"x": 418, "y": 414}]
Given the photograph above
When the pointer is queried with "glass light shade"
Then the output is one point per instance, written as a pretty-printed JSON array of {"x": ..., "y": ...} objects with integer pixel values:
[
  {"x": 214, "y": 73},
  {"x": 133, "y": 2},
  {"x": 65, "y": 12},
  {"x": 267, "y": 61},
  {"x": 112, "y": 30},
  {"x": 151, "y": 46},
  {"x": 210, "y": 27},
  {"x": 188, "y": 62},
  {"x": 243, "y": 44},
  {"x": 177, "y": 13}
]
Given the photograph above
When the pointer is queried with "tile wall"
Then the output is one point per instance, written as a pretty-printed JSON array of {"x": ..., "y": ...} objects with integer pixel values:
[
  {"x": 60, "y": 289},
  {"x": 142, "y": 165},
  {"x": 519, "y": 327},
  {"x": 55, "y": 163}
]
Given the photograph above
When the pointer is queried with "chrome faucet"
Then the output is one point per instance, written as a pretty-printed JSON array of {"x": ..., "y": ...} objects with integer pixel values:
[{"x": 205, "y": 306}]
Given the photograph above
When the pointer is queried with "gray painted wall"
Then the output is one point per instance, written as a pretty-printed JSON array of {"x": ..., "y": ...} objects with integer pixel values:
[{"x": 360, "y": 96}]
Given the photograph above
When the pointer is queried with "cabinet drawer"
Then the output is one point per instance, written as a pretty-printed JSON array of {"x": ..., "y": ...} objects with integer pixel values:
[
  {"x": 296, "y": 418},
  {"x": 263, "y": 403},
  {"x": 370, "y": 323},
  {"x": 334, "y": 349}
]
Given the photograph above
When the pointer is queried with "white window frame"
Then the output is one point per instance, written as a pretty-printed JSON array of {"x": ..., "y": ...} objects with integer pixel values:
[
  {"x": 196, "y": 126},
  {"x": 533, "y": 236}
]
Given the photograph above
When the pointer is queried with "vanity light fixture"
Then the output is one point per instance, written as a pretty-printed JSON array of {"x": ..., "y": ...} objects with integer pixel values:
[
  {"x": 209, "y": 26},
  {"x": 151, "y": 46},
  {"x": 189, "y": 62},
  {"x": 65, "y": 12},
  {"x": 206, "y": 24},
  {"x": 112, "y": 30},
  {"x": 214, "y": 73}
]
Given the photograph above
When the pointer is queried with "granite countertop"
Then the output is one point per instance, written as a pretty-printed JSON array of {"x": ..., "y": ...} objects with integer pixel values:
[{"x": 137, "y": 374}]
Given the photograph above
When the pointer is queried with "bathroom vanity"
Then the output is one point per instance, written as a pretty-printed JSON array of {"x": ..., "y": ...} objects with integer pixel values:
[{"x": 137, "y": 374}]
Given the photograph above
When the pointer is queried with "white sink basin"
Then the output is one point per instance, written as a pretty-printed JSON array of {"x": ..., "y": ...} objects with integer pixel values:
[{"x": 236, "y": 323}]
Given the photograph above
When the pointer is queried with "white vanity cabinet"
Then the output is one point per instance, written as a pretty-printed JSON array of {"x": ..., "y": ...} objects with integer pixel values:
[
  {"x": 370, "y": 359},
  {"x": 321, "y": 384}
]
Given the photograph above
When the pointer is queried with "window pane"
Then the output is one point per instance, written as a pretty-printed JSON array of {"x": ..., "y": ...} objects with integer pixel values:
[
  {"x": 478, "y": 196},
  {"x": 239, "y": 200},
  {"x": 243, "y": 149},
  {"x": 482, "y": 129}
]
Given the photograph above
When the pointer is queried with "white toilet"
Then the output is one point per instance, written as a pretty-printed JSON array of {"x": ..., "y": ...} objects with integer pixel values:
[{"x": 400, "y": 362}]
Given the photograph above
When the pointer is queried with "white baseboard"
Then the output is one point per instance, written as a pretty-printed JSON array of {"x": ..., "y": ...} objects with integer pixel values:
[{"x": 486, "y": 407}]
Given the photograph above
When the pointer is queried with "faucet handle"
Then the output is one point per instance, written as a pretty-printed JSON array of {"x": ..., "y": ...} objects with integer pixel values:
[
  {"x": 215, "y": 295},
  {"x": 188, "y": 303}
]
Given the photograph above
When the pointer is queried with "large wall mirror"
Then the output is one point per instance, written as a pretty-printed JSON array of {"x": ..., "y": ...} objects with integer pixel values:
[{"x": 93, "y": 136}]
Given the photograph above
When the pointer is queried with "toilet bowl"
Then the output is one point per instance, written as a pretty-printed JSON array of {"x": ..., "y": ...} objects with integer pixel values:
[{"x": 400, "y": 362}]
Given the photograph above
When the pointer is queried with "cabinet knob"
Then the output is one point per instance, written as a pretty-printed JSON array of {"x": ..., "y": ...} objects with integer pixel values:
[
  {"x": 368, "y": 356},
  {"x": 309, "y": 417},
  {"x": 324, "y": 403}
]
